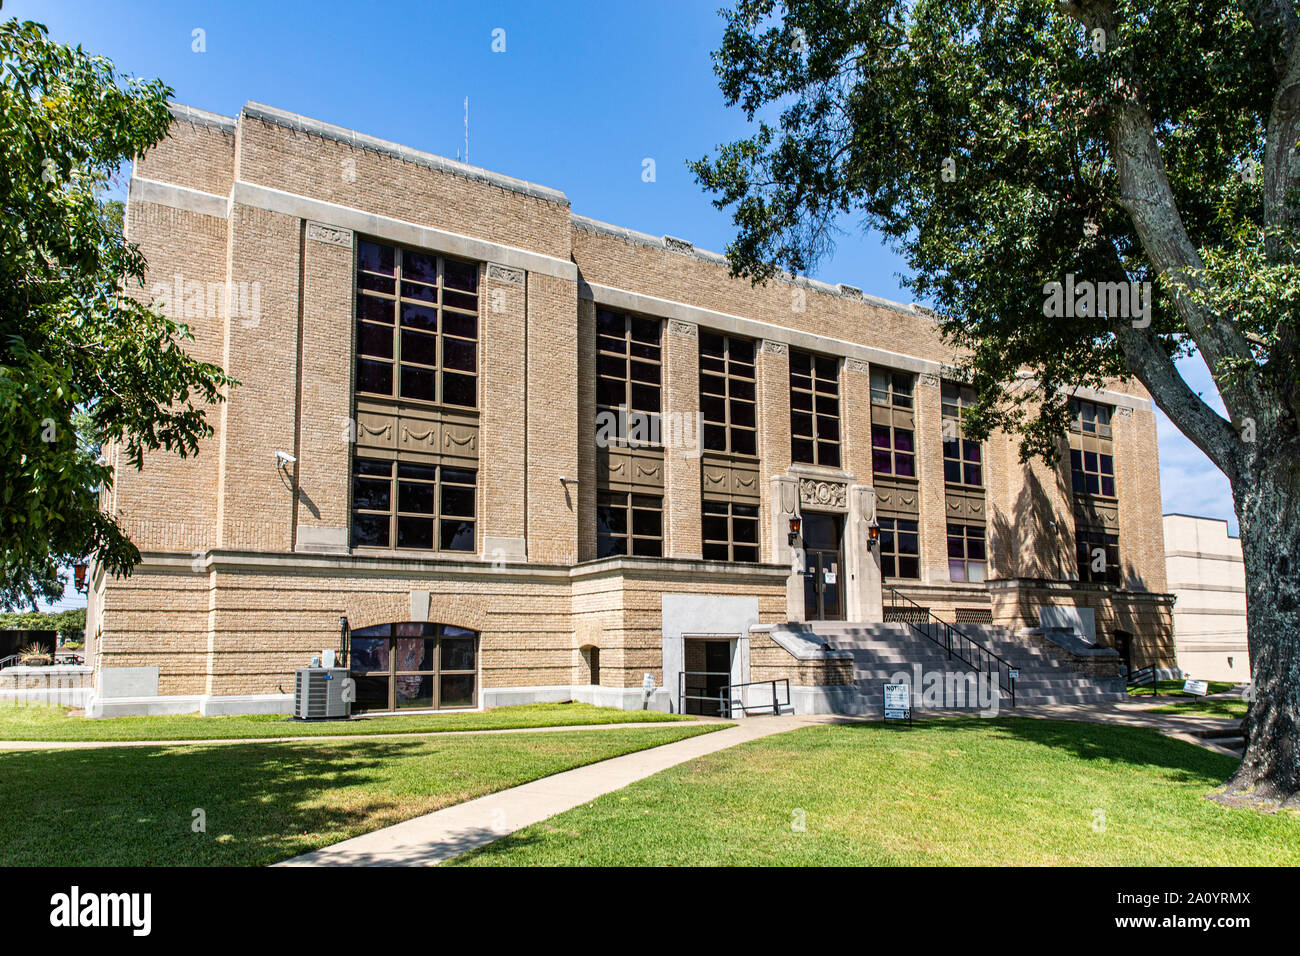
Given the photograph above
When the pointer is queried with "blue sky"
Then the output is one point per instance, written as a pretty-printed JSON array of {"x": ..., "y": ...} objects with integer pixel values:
[{"x": 582, "y": 95}]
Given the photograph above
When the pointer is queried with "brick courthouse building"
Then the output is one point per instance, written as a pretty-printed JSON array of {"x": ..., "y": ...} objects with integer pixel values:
[{"x": 531, "y": 456}]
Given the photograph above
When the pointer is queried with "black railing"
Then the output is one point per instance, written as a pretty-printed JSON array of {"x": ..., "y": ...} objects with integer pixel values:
[
  {"x": 724, "y": 698},
  {"x": 956, "y": 642},
  {"x": 1143, "y": 676}
]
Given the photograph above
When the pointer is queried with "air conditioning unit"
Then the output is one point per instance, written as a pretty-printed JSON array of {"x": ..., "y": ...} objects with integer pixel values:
[{"x": 318, "y": 693}]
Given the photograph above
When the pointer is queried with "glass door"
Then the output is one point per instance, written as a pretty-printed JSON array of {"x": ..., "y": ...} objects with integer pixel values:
[{"x": 823, "y": 584}]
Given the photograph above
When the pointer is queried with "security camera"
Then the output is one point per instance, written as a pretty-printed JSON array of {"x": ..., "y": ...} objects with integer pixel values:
[{"x": 285, "y": 457}]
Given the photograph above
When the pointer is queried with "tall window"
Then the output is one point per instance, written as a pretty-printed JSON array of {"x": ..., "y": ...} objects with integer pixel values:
[
  {"x": 1097, "y": 554},
  {"x": 628, "y": 523},
  {"x": 966, "y": 556},
  {"x": 900, "y": 548},
  {"x": 417, "y": 325},
  {"x": 1092, "y": 460},
  {"x": 893, "y": 445},
  {"x": 814, "y": 409},
  {"x": 727, "y": 400},
  {"x": 962, "y": 459},
  {"x": 730, "y": 531},
  {"x": 629, "y": 366},
  {"x": 412, "y": 506}
]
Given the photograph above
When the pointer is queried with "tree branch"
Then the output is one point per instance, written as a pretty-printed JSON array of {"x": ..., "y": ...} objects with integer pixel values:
[{"x": 1205, "y": 427}]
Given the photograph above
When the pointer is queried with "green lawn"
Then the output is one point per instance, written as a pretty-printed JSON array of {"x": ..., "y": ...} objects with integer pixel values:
[
  {"x": 1174, "y": 688},
  {"x": 265, "y": 801},
  {"x": 963, "y": 791},
  {"x": 1213, "y": 707},
  {"x": 48, "y": 722}
]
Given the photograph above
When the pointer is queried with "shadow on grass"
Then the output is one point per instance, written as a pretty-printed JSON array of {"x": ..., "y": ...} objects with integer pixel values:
[
  {"x": 1137, "y": 746},
  {"x": 260, "y": 802}
]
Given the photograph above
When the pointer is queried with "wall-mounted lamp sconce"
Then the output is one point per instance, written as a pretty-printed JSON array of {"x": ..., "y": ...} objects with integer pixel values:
[
  {"x": 873, "y": 534},
  {"x": 796, "y": 523}
]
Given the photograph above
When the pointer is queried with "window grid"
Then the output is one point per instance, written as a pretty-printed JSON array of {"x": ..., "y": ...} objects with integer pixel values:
[
  {"x": 414, "y": 665},
  {"x": 1092, "y": 473},
  {"x": 814, "y": 409},
  {"x": 1101, "y": 546},
  {"x": 890, "y": 388},
  {"x": 728, "y": 401},
  {"x": 967, "y": 558},
  {"x": 730, "y": 531},
  {"x": 412, "y": 507},
  {"x": 629, "y": 524},
  {"x": 629, "y": 367},
  {"x": 417, "y": 325},
  {"x": 961, "y": 462},
  {"x": 893, "y": 451},
  {"x": 900, "y": 550},
  {"x": 962, "y": 458},
  {"x": 1090, "y": 418}
]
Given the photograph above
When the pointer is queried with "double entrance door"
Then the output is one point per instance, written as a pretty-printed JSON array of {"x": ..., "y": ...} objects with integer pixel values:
[{"x": 823, "y": 581}]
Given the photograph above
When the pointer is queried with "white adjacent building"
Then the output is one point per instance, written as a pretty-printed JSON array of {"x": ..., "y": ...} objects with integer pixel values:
[{"x": 1205, "y": 570}]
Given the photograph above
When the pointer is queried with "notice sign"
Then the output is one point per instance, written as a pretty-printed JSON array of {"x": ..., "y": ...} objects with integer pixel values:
[
  {"x": 898, "y": 702},
  {"x": 1198, "y": 688}
]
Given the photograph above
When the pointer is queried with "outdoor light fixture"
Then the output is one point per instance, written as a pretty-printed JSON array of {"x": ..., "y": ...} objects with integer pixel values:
[
  {"x": 873, "y": 533},
  {"x": 343, "y": 641},
  {"x": 795, "y": 524}
]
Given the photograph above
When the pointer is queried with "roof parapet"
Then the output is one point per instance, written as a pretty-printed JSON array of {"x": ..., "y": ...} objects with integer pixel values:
[
  {"x": 188, "y": 114},
  {"x": 341, "y": 134}
]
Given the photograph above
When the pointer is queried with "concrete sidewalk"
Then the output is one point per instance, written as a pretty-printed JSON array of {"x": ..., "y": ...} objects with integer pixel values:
[{"x": 439, "y": 836}]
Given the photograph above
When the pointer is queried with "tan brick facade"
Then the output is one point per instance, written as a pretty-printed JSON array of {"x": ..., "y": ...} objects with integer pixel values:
[{"x": 254, "y": 223}]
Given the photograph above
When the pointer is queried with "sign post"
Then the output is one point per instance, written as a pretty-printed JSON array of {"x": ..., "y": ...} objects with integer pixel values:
[
  {"x": 898, "y": 703},
  {"x": 1197, "y": 688}
]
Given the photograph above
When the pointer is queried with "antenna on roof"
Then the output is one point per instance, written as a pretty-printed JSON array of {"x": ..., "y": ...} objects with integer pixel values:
[{"x": 467, "y": 130}]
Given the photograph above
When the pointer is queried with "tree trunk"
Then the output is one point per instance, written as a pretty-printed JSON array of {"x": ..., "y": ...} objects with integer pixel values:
[{"x": 1268, "y": 509}]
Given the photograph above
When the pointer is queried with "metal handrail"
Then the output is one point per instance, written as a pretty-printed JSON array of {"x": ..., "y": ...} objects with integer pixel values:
[
  {"x": 725, "y": 699},
  {"x": 1136, "y": 679},
  {"x": 961, "y": 645},
  {"x": 776, "y": 703},
  {"x": 6, "y": 661}
]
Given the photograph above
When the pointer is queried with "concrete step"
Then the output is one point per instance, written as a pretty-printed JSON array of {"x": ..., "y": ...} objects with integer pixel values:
[{"x": 882, "y": 651}]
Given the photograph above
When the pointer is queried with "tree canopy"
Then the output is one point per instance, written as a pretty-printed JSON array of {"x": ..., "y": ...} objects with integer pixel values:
[
  {"x": 1004, "y": 146},
  {"x": 82, "y": 362}
]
